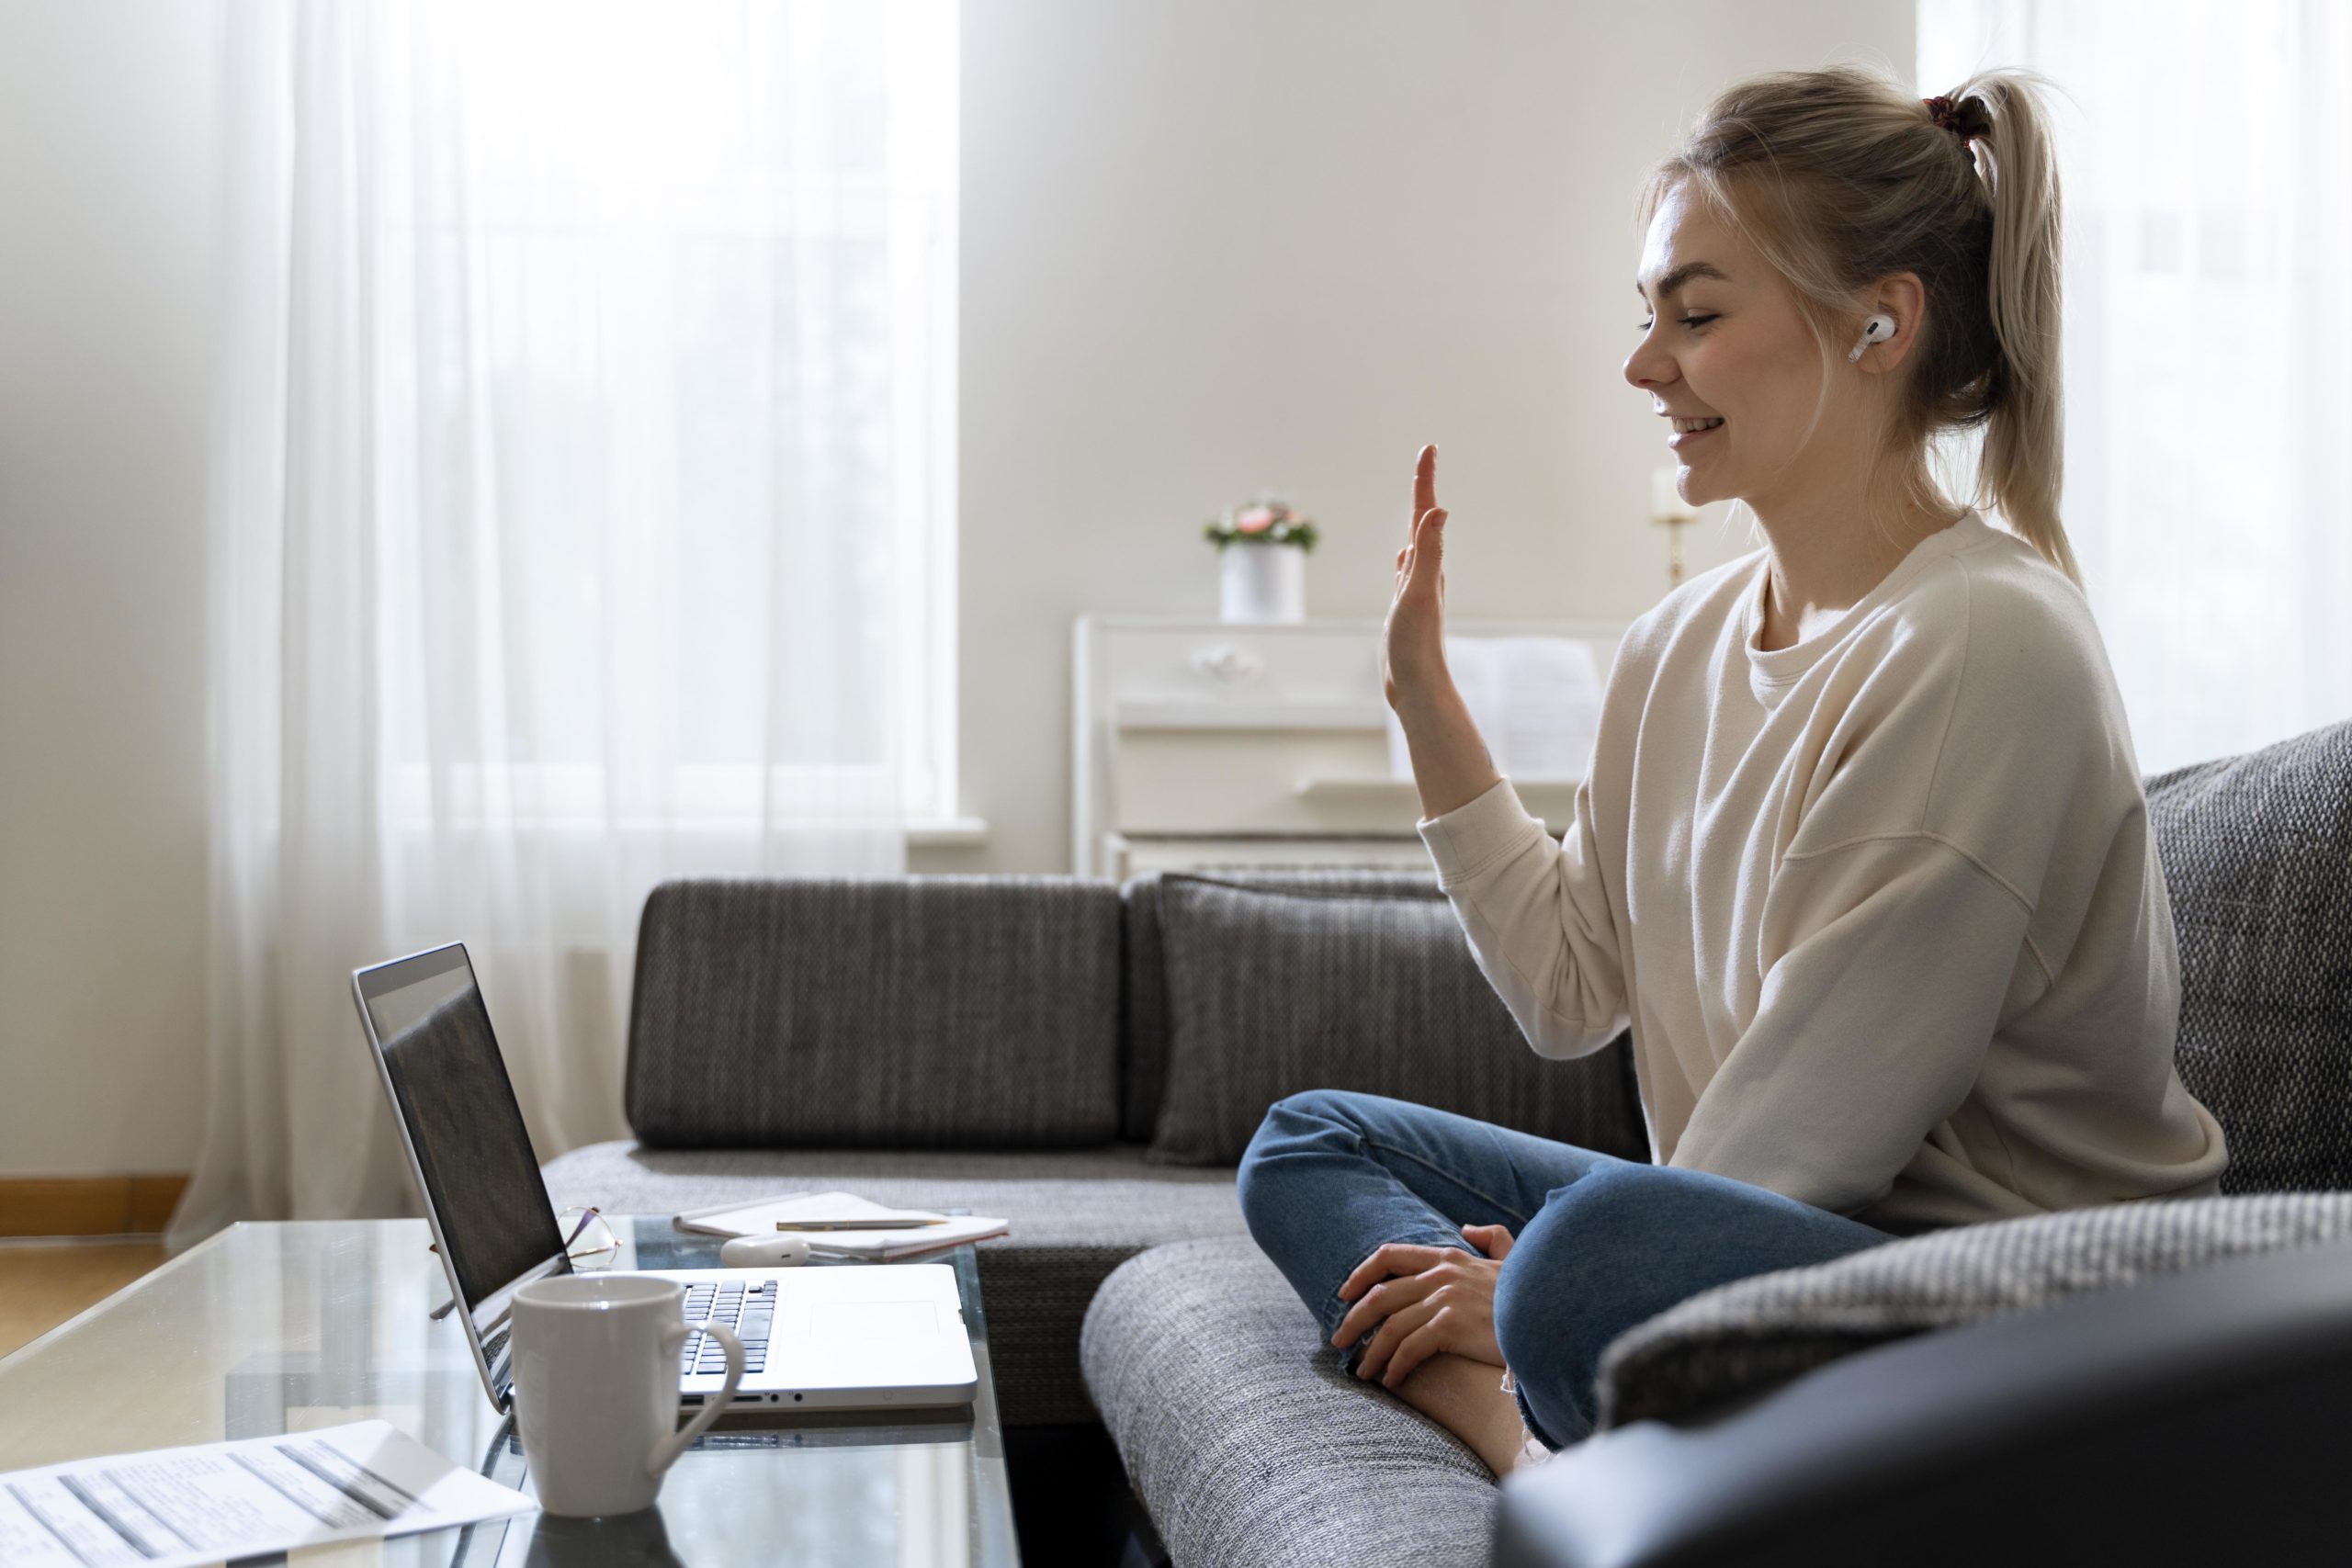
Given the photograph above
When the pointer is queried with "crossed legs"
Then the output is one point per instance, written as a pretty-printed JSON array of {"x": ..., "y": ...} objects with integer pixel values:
[{"x": 1601, "y": 1245}]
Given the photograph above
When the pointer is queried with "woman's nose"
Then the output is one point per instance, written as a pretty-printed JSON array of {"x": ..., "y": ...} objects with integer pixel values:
[{"x": 1647, "y": 367}]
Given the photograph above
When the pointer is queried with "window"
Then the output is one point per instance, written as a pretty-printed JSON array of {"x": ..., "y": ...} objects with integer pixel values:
[{"x": 674, "y": 361}]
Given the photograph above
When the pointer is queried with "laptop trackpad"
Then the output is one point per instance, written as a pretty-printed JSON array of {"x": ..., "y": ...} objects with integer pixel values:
[{"x": 872, "y": 1320}]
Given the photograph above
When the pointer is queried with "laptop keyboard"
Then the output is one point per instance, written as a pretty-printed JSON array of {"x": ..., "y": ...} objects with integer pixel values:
[{"x": 748, "y": 1310}]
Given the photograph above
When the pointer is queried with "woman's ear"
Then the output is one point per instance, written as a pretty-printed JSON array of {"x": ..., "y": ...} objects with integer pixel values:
[{"x": 1902, "y": 296}]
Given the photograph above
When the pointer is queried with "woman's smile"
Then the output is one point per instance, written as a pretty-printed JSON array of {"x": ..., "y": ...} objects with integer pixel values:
[{"x": 1682, "y": 438}]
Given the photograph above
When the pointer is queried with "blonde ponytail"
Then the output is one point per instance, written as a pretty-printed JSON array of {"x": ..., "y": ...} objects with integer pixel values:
[
  {"x": 1840, "y": 177},
  {"x": 2022, "y": 466}
]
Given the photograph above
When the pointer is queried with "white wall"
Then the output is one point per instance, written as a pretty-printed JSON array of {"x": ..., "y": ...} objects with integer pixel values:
[
  {"x": 1208, "y": 246},
  {"x": 1222, "y": 245}
]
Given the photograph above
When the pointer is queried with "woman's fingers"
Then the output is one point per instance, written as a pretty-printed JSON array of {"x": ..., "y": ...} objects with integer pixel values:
[
  {"x": 1398, "y": 1324},
  {"x": 1425, "y": 482},
  {"x": 1394, "y": 1257},
  {"x": 1493, "y": 1240},
  {"x": 1379, "y": 1302},
  {"x": 1415, "y": 1348},
  {"x": 1424, "y": 559}
]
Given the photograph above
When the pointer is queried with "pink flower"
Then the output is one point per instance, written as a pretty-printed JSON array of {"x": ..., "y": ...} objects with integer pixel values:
[{"x": 1255, "y": 520}]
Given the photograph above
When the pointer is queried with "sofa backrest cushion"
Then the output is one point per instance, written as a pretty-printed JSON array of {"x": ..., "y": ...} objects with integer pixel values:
[
  {"x": 2257, "y": 855},
  {"x": 1142, "y": 1021},
  {"x": 1274, "y": 990},
  {"x": 897, "y": 1011}
]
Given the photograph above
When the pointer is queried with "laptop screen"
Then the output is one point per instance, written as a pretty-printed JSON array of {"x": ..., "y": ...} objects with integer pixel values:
[{"x": 450, "y": 1090}]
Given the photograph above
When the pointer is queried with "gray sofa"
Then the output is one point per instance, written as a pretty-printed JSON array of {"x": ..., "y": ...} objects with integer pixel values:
[{"x": 1087, "y": 1058}]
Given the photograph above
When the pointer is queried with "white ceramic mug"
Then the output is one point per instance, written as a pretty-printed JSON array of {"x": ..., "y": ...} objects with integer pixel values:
[{"x": 596, "y": 1388}]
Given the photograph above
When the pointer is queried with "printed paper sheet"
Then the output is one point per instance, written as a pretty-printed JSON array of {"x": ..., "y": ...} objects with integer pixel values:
[{"x": 187, "y": 1506}]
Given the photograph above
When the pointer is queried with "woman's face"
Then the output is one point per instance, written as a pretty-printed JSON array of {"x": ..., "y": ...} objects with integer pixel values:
[{"x": 1721, "y": 338}]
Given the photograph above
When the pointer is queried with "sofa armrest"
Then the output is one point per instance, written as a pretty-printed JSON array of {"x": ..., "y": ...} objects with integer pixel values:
[{"x": 2196, "y": 1417}]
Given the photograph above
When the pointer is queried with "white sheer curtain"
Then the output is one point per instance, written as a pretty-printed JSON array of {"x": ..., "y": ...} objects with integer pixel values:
[
  {"x": 581, "y": 455},
  {"x": 2206, "y": 166}
]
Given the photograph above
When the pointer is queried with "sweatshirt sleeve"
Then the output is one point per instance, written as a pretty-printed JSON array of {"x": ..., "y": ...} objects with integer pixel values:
[
  {"x": 1895, "y": 957},
  {"x": 1537, "y": 917}
]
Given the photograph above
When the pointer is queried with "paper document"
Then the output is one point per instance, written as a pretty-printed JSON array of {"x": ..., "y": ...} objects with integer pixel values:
[
  {"x": 758, "y": 1218},
  {"x": 888, "y": 1246},
  {"x": 182, "y": 1507},
  {"x": 1536, "y": 701}
]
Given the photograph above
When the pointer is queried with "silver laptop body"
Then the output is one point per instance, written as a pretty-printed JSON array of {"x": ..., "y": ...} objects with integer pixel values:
[{"x": 827, "y": 1336}]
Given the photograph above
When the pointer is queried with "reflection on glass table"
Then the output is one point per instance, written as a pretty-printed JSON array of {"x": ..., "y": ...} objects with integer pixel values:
[{"x": 269, "y": 1328}]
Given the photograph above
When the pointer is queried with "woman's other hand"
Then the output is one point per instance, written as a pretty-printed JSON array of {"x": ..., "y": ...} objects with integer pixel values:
[
  {"x": 1413, "y": 650},
  {"x": 1426, "y": 1299}
]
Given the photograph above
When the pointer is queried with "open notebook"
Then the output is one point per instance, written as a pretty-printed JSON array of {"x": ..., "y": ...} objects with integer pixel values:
[{"x": 888, "y": 1246}]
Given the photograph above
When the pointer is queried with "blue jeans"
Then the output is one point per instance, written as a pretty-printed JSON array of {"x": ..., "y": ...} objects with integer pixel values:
[{"x": 1598, "y": 1244}]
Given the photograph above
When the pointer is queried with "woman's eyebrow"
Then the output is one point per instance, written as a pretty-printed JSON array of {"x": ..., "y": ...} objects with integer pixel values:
[{"x": 1683, "y": 274}]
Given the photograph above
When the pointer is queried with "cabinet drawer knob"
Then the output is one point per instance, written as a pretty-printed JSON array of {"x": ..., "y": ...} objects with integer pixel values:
[{"x": 1227, "y": 663}]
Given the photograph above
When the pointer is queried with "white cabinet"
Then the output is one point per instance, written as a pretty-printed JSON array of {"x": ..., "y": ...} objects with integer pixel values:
[{"x": 1207, "y": 742}]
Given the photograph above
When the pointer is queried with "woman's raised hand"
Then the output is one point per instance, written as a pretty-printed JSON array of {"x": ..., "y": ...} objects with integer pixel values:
[{"x": 1413, "y": 650}]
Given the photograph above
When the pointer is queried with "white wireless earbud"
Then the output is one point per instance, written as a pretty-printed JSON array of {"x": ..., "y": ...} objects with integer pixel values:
[{"x": 1878, "y": 329}]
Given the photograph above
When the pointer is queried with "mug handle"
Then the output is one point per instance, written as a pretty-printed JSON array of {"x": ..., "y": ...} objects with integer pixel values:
[{"x": 666, "y": 1452}]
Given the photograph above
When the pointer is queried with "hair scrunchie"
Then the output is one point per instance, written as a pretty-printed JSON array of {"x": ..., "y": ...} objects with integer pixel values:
[{"x": 1966, "y": 120}]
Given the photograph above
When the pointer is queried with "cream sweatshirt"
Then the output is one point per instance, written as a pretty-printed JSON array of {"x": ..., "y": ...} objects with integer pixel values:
[{"x": 1882, "y": 908}]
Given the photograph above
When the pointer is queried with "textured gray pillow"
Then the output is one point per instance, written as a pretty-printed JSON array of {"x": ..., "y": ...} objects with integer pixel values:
[
  {"x": 2258, "y": 853},
  {"x": 1143, "y": 990},
  {"x": 1271, "y": 992},
  {"x": 1754, "y": 1335}
]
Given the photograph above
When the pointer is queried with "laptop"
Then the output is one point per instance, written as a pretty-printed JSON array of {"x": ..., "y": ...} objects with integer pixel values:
[{"x": 839, "y": 1336}]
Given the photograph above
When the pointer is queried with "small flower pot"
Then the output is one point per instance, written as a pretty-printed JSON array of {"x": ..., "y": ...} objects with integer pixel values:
[{"x": 1261, "y": 582}]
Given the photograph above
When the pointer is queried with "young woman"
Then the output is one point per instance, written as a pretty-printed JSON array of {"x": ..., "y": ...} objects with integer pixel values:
[{"x": 1861, "y": 856}]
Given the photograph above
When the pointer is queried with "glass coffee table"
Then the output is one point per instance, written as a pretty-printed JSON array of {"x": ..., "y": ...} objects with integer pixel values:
[{"x": 284, "y": 1327}]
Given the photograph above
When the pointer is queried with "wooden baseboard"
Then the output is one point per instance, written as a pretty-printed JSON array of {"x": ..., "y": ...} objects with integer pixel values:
[{"x": 87, "y": 1205}]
